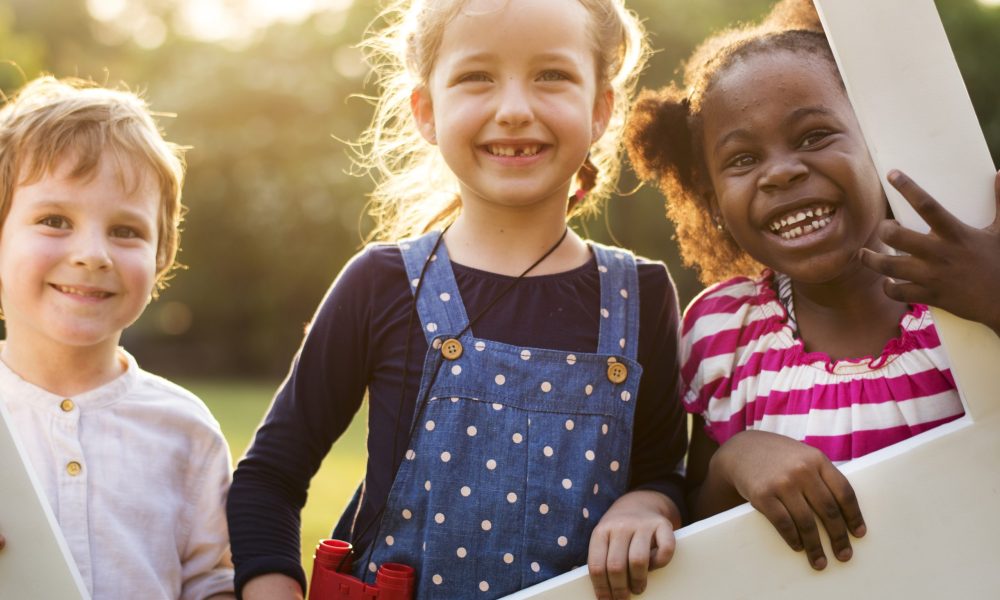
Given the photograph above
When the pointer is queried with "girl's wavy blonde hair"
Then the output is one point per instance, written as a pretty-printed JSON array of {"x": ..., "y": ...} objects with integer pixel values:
[
  {"x": 415, "y": 191},
  {"x": 49, "y": 120}
]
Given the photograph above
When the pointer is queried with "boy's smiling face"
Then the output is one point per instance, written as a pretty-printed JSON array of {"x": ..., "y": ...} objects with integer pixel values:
[
  {"x": 792, "y": 176},
  {"x": 78, "y": 256}
]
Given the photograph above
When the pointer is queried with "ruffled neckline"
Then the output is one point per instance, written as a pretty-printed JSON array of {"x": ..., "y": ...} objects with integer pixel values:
[{"x": 786, "y": 325}]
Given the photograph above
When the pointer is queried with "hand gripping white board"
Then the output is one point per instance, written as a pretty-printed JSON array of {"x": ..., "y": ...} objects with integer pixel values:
[
  {"x": 931, "y": 503},
  {"x": 36, "y": 562}
]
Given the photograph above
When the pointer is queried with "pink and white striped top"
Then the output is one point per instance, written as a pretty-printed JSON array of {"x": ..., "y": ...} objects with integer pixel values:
[{"x": 743, "y": 367}]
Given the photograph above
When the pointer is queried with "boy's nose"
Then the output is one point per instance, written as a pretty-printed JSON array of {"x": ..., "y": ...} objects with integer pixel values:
[
  {"x": 514, "y": 106},
  {"x": 781, "y": 173},
  {"x": 91, "y": 251}
]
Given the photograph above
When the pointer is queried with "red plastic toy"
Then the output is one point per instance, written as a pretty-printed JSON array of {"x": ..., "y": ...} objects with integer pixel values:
[{"x": 332, "y": 579}]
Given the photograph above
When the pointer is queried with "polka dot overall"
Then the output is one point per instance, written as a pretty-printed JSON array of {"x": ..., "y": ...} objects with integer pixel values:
[{"x": 516, "y": 453}]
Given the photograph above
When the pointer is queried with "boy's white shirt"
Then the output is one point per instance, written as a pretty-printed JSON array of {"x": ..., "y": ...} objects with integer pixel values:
[{"x": 145, "y": 515}]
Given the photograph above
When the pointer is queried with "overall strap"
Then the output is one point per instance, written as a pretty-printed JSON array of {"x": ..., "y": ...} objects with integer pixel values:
[
  {"x": 619, "y": 332},
  {"x": 439, "y": 304}
]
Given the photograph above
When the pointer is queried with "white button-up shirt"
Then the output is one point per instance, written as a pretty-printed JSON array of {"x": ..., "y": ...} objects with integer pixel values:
[{"x": 136, "y": 472}]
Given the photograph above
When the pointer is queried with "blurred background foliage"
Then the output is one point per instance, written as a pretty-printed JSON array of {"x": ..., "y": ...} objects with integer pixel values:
[{"x": 265, "y": 93}]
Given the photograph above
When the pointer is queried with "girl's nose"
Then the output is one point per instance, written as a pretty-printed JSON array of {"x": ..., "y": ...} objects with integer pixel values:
[
  {"x": 514, "y": 106},
  {"x": 782, "y": 172},
  {"x": 91, "y": 251}
]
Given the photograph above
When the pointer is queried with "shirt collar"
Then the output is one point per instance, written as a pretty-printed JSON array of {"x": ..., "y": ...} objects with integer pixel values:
[{"x": 17, "y": 389}]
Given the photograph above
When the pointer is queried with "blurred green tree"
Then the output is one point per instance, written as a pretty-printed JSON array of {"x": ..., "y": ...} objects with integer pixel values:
[{"x": 20, "y": 53}]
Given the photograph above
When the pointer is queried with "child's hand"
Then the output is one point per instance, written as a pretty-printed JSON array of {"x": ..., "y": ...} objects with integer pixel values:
[
  {"x": 634, "y": 536},
  {"x": 955, "y": 267},
  {"x": 792, "y": 483}
]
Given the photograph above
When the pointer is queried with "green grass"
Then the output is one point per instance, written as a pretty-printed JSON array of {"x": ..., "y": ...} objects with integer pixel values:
[{"x": 240, "y": 407}]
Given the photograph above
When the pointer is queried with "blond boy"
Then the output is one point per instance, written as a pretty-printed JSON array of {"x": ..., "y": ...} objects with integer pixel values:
[{"x": 134, "y": 467}]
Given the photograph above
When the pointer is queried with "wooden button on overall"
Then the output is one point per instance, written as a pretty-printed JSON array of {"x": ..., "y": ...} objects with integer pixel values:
[
  {"x": 451, "y": 349},
  {"x": 617, "y": 372}
]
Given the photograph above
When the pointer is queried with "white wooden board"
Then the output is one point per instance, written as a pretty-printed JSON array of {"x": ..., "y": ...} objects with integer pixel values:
[
  {"x": 36, "y": 562},
  {"x": 932, "y": 503}
]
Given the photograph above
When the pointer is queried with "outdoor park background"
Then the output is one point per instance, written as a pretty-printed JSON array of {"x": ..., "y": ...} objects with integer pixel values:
[{"x": 263, "y": 92}]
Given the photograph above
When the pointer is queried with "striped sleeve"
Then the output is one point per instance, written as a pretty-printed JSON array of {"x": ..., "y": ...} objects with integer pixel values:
[{"x": 717, "y": 325}]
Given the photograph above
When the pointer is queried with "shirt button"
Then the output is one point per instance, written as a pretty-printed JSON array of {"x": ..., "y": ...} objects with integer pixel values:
[
  {"x": 617, "y": 372},
  {"x": 451, "y": 349},
  {"x": 67, "y": 405},
  {"x": 74, "y": 468}
]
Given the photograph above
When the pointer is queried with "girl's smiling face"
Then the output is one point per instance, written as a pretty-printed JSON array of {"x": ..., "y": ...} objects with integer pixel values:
[
  {"x": 792, "y": 177},
  {"x": 514, "y": 102}
]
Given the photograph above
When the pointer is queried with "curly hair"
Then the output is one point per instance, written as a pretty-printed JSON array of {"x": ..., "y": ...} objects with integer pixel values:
[
  {"x": 415, "y": 191},
  {"x": 664, "y": 133}
]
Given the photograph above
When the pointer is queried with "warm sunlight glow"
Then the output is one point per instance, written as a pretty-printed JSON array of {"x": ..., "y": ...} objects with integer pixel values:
[
  {"x": 208, "y": 20},
  {"x": 106, "y": 10},
  {"x": 221, "y": 19}
]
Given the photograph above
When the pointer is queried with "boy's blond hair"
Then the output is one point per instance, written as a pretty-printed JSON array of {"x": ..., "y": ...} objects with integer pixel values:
[
  {"x": 415, "y": 191},
  {"x": 49, "y": 120}
]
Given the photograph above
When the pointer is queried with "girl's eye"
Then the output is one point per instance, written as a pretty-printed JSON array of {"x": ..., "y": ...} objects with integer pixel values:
[
  {"x": 553, "y": 76},
  {"x": 473, "y": 77},
  {"x": 55, "y": 222},
  {"x": 740, "y": 161},
  {"x": 124, "y": 232},
  {"x": 814, "y": 137}
]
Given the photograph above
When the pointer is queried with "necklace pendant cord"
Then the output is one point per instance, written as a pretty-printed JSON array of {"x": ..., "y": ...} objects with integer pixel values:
[{"x": 517, "y": 280}]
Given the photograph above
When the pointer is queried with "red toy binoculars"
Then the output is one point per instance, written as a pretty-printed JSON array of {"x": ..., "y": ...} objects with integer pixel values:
[{"x": 332, "y": 579}]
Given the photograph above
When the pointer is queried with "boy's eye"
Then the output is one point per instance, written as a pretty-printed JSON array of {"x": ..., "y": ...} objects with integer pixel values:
[
  {"x": 125, "y": 232},
  {"x": 55, "y": 222},
  {"x": 814, "y": 137}
]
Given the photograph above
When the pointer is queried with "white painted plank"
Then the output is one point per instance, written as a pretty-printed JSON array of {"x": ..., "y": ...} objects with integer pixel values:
[{"x": 36, "y": 562}]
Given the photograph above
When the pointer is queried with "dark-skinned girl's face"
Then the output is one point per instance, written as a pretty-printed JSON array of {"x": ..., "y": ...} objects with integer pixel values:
[{"x": 793, "y": 181}]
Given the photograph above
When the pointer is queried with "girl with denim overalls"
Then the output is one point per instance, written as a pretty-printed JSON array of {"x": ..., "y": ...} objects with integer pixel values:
[{"x": 522, "y": 383}]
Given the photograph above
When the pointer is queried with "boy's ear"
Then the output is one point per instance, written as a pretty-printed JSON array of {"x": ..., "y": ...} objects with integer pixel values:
[
  {"x": 603, "y": 107},
  {"x": 423, "y": 113}
]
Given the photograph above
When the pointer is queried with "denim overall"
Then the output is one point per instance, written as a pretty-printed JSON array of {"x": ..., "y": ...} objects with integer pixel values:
[{"x": 515, "y": 453}]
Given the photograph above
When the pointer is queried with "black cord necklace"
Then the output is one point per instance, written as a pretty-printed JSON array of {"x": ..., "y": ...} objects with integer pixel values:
[
  {"x": 511, "y": 285},
  {"x": 450, "y": 348}
]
